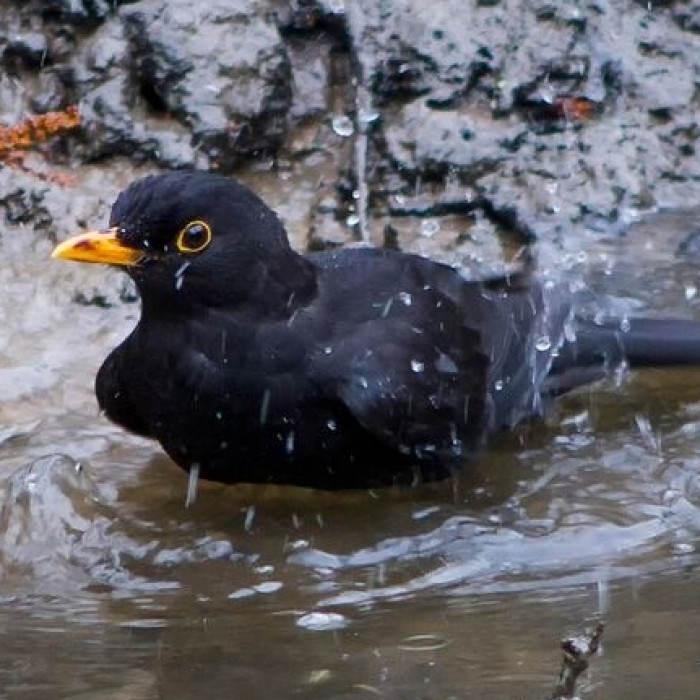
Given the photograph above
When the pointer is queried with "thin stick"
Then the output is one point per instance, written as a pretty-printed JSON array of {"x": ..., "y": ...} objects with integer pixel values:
[{"x": 577, "y": 651}]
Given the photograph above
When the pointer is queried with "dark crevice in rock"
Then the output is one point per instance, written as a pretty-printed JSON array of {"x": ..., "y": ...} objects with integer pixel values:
[{"x": 152, "y": 97}]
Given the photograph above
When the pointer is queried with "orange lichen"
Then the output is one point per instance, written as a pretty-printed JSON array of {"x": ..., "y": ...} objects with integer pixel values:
[
  {"x": 37, "y": 129},
  {"x": 16, "y": 140},
  {"x": 575, "y": 108},
  {"x": 565, "y": 108}
]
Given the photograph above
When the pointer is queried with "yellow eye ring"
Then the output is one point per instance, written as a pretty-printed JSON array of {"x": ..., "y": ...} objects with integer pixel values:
[{"x": 194, "y": 237}]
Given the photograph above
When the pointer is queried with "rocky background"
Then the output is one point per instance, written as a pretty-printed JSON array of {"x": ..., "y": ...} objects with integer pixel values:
[{"x": 462, "y": 129}]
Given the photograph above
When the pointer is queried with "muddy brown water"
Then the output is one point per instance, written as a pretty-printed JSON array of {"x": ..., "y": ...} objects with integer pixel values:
[{"x": 111, "y": 588}]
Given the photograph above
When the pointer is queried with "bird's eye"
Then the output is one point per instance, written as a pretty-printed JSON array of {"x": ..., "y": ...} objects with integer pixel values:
[{"x": 195, "y": 237}]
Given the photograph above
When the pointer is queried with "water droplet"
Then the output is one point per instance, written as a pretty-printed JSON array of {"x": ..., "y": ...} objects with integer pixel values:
[
  {"x": 192, "y": 485},
  {"x": 429, "y": 227},
  {"x": 543, "y": 343},
  {"x": 498, "y": 385},
  {"x": 327, "y": 350},
  {"x": 417, "y": 366},
  {"x": 342, "y": 125},
  {"x": 570, "y": 332},
  {"x": 331, "y": 424},
  {"x": 367, "y": 116},
  {"x": 352, "y": 220},
  {"x": 321, "y": 621},
  {"x": 362, "y": 381},
  {"x": 620, "y": 373},
  {"x": 405, "y": 297},
  {"x": 249, "y": 517},
  {"x": 446, "y": 365},
  {"x": 289, "y": 444},
  {"x": 647, "y": 432},
  {"x": 625, "y": 325},
  {"x": 264, "y": 406},
  {"x": 690, "y": 291},
  {"x": 180, "y": 275}
]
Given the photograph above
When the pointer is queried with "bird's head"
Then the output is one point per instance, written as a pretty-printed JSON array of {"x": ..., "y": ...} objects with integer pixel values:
[{"x": 192, "y": 239}]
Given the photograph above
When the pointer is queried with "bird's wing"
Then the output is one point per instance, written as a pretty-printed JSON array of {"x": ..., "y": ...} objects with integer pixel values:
[
  {"x": 418, "y": 391},
  {"x": 459, "y": 362}
]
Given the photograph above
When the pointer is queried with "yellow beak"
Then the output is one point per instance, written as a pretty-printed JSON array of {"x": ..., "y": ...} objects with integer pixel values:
[{"x": 97, "y": 247}]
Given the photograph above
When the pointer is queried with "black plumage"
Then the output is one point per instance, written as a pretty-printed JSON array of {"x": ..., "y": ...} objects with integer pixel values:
[{"x": 333, "y": 370}]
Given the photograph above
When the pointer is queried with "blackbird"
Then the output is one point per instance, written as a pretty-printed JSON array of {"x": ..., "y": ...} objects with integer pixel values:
[{"x": 344, "y": 369}]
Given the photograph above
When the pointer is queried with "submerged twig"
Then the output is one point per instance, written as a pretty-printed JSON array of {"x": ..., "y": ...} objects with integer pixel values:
[{"x": 577, "y": 651}]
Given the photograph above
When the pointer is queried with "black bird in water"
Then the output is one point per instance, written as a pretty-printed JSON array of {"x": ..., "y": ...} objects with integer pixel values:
[{"x": 253, "y": 363}]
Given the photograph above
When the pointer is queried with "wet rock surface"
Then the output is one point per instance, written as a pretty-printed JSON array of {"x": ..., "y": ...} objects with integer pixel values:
[{"x": 493, "y": 123}]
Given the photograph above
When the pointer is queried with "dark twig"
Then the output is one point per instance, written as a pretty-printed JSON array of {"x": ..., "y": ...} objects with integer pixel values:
[{"x": 577, "y": 651}]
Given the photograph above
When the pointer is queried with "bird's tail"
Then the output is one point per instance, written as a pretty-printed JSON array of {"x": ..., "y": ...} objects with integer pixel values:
[
  {"x": 597, "y": 348},
  {"x": 640, "y": 342}
]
